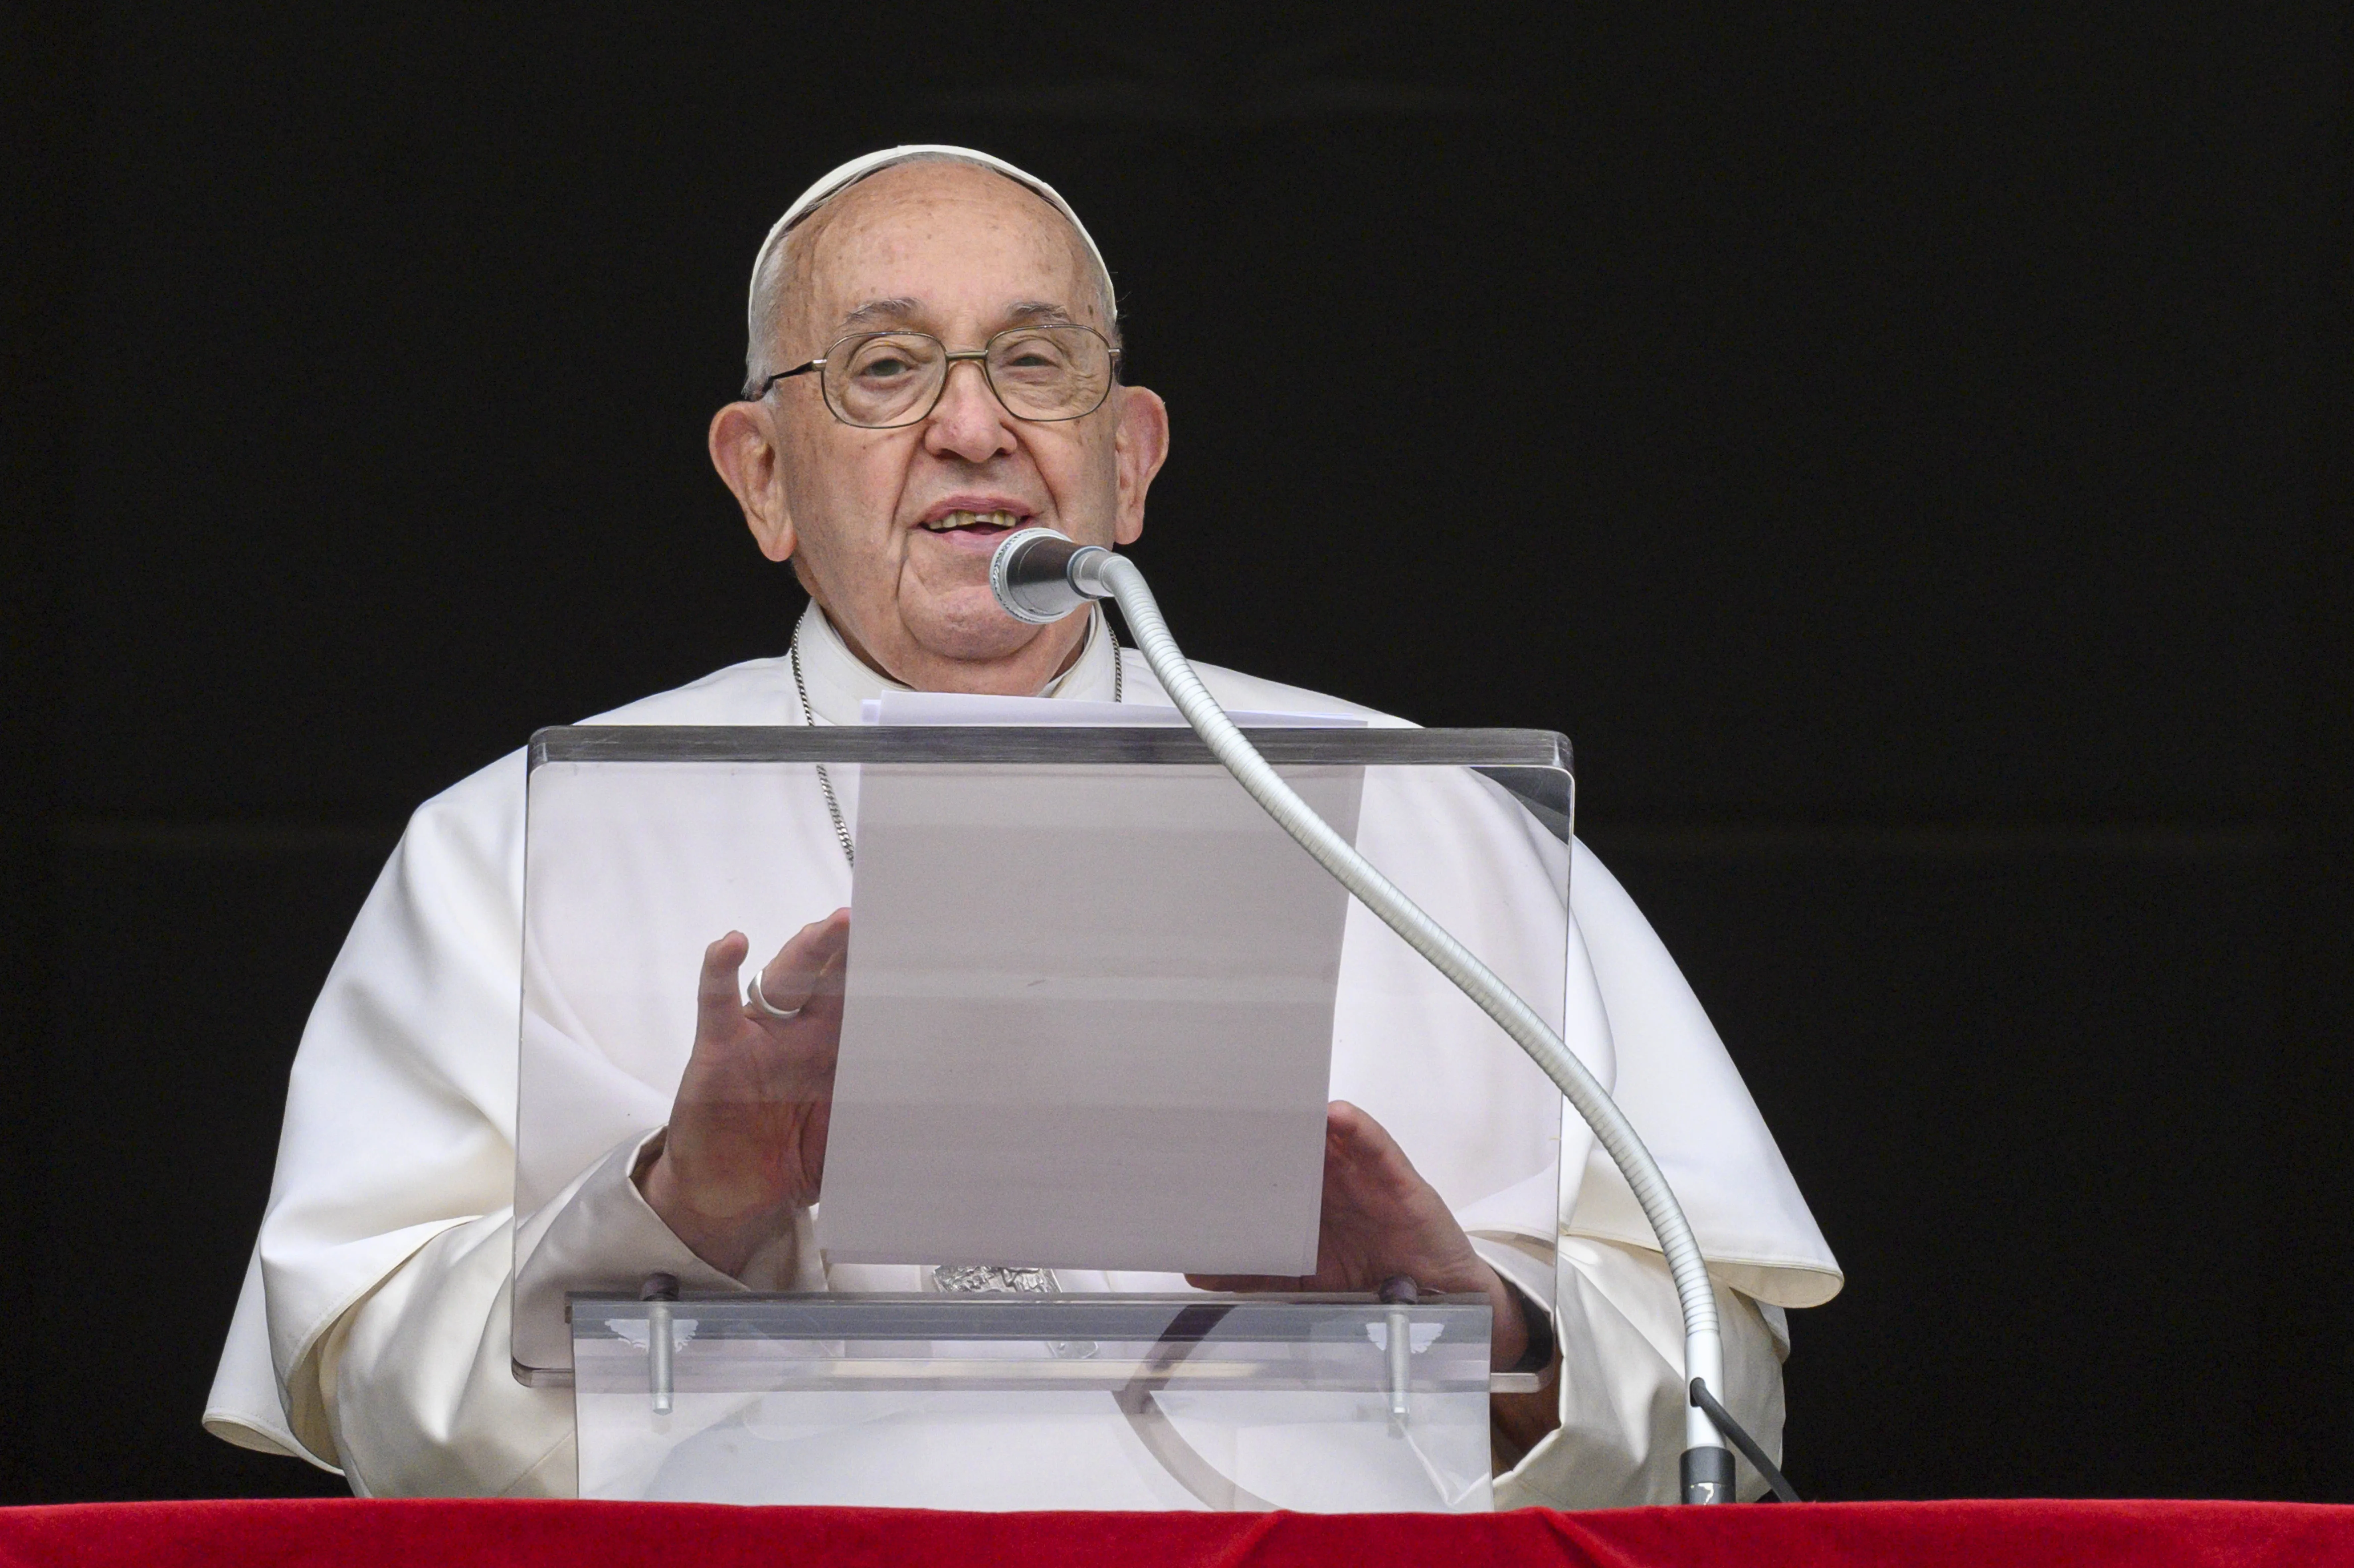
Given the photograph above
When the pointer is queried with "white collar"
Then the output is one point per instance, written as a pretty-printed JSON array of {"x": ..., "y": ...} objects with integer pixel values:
[{"x": 838, "y": 680}]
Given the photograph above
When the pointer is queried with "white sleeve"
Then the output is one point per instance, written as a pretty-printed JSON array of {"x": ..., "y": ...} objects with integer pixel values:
[
  {"x": 420, "y": 1392},
  {"x": 601, "y": 1235},
  {"x": 418, "y": 1386},
  {"x": 1622, "y": 1384}
]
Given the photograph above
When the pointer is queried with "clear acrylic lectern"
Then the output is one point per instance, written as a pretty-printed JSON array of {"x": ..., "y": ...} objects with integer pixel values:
[{"x": 1095, "y": 1004}]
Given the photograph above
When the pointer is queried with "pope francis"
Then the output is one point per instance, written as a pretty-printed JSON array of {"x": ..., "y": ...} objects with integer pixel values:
[{"x": 932, "y": 362}]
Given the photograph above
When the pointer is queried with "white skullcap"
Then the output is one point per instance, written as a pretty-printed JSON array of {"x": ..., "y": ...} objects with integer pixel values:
[{"x": 859, "y": 168}]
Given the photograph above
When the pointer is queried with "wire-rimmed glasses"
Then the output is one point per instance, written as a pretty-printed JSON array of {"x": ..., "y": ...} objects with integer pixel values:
[{"x": 885, "y": 380}]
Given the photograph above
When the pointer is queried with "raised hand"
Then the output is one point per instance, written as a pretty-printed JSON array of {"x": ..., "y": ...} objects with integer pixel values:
[
  {"x": 1381, "y": 1219},
  {"x": 745, "y": 1147}
]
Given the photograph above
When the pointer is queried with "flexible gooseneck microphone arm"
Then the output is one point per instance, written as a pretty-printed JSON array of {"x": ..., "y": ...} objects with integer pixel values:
[{"x": 1039, "y": 575}]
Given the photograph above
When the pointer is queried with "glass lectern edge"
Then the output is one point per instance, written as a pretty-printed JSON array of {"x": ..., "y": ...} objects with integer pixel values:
[
  {"x": 1274, "y": 1316},
  {"x": 1019, "y": 743}
]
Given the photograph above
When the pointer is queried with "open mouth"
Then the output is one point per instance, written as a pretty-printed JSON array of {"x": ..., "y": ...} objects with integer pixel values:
[{"x": 987, "y": 524}]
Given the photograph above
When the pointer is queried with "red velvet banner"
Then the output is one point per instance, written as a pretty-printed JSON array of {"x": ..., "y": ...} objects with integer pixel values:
[{"x": 455, "y": 1534}]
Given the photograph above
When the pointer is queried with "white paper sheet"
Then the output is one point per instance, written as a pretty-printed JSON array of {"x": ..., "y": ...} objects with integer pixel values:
[{"x": 1088, "y": 1023}]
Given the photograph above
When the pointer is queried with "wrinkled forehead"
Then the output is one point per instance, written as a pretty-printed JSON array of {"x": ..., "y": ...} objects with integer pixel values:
[{"x": 918, "y": 230}]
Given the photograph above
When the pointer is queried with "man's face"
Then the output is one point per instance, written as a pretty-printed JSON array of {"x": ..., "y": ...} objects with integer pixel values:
[{"x": 892, "y": 531}]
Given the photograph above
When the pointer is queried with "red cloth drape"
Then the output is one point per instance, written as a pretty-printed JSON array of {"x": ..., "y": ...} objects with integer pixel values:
[{"x": 456, "y": 1534}]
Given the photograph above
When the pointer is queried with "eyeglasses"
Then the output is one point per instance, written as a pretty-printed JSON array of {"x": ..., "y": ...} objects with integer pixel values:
[{"x": 885, "y": 380}]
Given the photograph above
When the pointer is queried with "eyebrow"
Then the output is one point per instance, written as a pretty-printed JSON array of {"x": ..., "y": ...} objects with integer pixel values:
[
  {"x": 882, "y": 312},
  {"x": 1034, "y": 312}
]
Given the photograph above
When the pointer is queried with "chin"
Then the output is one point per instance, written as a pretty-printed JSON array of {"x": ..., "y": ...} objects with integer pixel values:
[{"x": 969, "y": 627}]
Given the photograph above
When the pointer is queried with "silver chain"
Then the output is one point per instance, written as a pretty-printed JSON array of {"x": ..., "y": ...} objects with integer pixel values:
[{"x": 825, "y": 780}]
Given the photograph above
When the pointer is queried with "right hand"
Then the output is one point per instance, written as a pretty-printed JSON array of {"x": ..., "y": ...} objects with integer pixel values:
[{"x": 745, "y": 1147}]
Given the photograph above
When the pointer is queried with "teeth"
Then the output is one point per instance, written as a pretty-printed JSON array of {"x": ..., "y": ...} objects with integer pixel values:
[{"x": 956, "y": 520}]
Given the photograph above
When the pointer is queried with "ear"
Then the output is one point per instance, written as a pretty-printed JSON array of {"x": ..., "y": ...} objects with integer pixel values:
[
  {"x": 1140, "y": 447},
  {"x": 744, "y": 449}
]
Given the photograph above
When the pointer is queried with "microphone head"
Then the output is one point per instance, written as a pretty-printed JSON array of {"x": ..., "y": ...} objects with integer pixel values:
[{"x": 1031, "y": 575}]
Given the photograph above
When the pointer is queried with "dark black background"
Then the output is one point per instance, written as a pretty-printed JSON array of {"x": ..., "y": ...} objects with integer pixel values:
[{"x": 1904, "y": 447}]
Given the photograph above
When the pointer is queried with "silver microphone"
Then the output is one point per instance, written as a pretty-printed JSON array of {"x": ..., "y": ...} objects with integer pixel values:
[{"x": 1040, "y": 575}]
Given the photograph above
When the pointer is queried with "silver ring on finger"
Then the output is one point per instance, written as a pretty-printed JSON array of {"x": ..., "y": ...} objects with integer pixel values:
[{"x": 753, "y": 996}]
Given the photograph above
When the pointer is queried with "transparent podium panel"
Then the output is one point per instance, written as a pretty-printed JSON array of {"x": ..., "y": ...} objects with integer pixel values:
[
  {"x": 1091, "y": 1008},
  {"x": 1315, "y": 1404}
]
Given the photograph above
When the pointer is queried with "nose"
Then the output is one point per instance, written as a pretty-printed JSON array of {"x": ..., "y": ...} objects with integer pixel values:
[{"x": 969, "y": 421}]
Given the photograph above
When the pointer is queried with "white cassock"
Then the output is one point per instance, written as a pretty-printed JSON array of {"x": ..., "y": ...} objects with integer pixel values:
[{"x": 373, "y": 1332}]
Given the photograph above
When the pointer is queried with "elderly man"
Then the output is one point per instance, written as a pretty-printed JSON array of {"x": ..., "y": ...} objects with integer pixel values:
[{"x": 932, "y": 355}]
